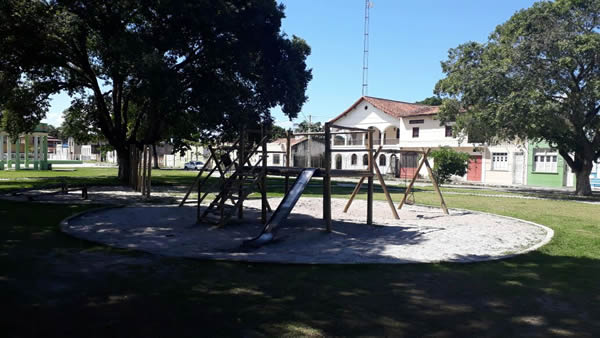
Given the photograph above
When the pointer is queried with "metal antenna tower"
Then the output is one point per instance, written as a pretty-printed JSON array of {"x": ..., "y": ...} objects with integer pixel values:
[{"x": 365, "y": 75}]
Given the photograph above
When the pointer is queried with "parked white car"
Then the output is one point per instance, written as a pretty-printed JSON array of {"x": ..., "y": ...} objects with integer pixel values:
[{"x": 193, "y": 165}]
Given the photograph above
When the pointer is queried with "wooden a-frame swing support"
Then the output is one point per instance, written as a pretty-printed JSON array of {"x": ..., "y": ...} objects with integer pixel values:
[
  {"x": 383, "y": 186},
  {"x": 436, "y": 187}
]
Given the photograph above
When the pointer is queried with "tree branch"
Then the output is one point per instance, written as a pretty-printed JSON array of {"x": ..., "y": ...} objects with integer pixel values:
[{"x": 567, "y": 158}]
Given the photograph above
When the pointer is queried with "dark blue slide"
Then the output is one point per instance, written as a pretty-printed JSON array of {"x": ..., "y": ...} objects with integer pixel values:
[{"x": 284, "y": 208}]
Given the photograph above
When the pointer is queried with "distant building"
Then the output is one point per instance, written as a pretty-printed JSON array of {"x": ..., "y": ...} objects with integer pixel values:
[{"x": 28, "y": 150}]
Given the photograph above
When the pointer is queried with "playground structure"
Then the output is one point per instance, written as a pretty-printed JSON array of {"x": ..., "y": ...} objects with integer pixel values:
[
  {"x": 240, "y": 176},
  {"x": 436, "y": 187},
  {"x": 140, "y": 178}
]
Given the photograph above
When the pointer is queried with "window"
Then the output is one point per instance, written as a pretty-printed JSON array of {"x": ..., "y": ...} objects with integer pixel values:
[
  {"x": 415, "y": 132},
  {"x": 365, "y": 159},
  {"x": 398, "y": 133},
  {"x": 499, "y": 161},
  {"x": 545, "y": 161},
  {"x": 276, "y": 158},
  {"x": 382, "y": 160},
  {"x": 416, "y": 121},
  {"x": 448, "y": 131},
  {"x": 339, "y": 140},
  {"x": 353, "y": 159}
]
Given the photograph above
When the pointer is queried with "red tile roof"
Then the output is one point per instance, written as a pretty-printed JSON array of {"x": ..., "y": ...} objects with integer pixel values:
[
  {"x": 293, "y": 141},
  {"x": 397, "y": 109}
]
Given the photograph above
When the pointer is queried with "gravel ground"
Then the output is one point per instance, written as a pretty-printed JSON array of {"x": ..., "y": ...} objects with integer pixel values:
[{"x": 422, "y": 234}]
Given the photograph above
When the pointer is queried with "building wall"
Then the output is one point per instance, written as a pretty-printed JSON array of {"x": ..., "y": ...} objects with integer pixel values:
[
  {"x": 505, "y": 173},
  {"x": 543, "y": 179},
  {"x": 431, "y": 134},
  {"x": 595, "y": 176}
]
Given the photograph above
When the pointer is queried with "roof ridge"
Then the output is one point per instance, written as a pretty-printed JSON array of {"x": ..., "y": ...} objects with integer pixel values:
[{"x": 412, "y": 103}]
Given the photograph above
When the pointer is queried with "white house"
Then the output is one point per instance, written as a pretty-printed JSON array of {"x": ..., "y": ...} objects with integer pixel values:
[{"x": 404, "y": 128}]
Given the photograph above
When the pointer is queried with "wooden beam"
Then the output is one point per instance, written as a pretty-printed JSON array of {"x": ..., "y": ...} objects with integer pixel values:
[
  {"x": 354, "y": 192},
  {"x": 288, "y": 152},
  {"x": 327, "y": 179},
  {"x": 187, "y": 194},
  {"x": 358, "y": 186},
  {"x": 370, "y": 178},
  {"x": 241, "y": 160},
  {"x": 412, "y": 181},
  {"x": 149, "y": 178},
  {"x": 347, "y": 132},
  {"x": 388, "y": 197},
  {"x": 143, "y": 181},
  {"x": 348, "y": 128},
  {"x": 436, "y": 187},
  {"x": 263, "y": 180}
]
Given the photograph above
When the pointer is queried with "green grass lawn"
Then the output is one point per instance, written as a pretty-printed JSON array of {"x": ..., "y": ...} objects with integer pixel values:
[{"x": 52, "y": 284}]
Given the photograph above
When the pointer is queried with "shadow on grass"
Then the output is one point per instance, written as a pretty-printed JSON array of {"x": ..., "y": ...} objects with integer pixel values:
[{"x": 51, "y": 285}]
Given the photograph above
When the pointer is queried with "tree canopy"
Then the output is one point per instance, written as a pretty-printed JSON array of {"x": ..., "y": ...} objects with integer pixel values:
[
  {"x": 448, "y": 162},
  {"x": 304, "y": 126},
  {"x": 536, "y": 78},
  {"x": 431, "y": 101},
  {"x": 143, "y": 71}
]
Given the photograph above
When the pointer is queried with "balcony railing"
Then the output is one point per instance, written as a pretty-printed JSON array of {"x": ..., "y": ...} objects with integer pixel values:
[
  {"x": 355, "y": 142},
  {"x": 363, "y": 142}
]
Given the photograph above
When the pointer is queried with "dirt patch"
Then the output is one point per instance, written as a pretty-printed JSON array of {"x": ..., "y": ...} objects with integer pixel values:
[{"x": 421, "y": 235}]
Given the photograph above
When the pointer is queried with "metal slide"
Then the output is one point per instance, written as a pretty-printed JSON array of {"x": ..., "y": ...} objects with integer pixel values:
[{"x": 284, "y": 208}]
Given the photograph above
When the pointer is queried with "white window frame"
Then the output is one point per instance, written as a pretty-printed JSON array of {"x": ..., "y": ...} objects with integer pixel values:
[
  {"x": 545, "y": 161},
  {"x": 500, "y": 161},
  {"x": 276, "y": 158}
]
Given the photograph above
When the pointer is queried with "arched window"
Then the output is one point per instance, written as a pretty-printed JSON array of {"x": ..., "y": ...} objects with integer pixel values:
[
  {"x": 339, "y": 140},
  {"x": 338, "y": 161},
  {"x": 365, "y": 159},
  {"x": 382, "y": 160},
  {"x": 353, "y": 159}
]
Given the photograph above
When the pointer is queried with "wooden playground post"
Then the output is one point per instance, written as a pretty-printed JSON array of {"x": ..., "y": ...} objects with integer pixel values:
[
  {"x": 436, "y": 186},
  {"x": 288, "y": 153},
  {"x": 241, "y": 157},
  {"x": 370, "y": 178},
  {"x": 263, "y": 178},
  {"x": 143, "y": 180},
  {"x": 412, "y": 181},
  {"x": 199, "y": 192},
  {"x": 327, "y": 179},
  {"x": 138, "y": 179},
  {"x": 149, "y": 178}
]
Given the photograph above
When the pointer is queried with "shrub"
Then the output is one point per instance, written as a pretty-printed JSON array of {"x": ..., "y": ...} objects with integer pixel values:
[{"x": 448, "y": 162}]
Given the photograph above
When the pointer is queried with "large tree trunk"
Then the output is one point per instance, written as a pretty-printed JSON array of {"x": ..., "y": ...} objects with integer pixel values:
[
  {"x": 124, "y": 159},
  {"x": 155, "y": 166},
  {"x": 583, "y": 186}
]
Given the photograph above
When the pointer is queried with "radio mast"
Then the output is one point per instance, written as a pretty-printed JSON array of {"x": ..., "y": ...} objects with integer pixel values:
[{"x": 365, "y": 74}]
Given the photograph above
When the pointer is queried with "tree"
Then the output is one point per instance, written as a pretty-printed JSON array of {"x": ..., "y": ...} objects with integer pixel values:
[
  {"x": 277, "y": 132},
  {"x": 431, "y": 101},
  {"x": 304, "y": 127},
  {"x": 448, "y": 162},
  {"x": 537, "y": 78},
  {"x": 144, "y": 71}
]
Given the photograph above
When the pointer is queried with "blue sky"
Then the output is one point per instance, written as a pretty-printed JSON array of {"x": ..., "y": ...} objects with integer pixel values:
[{"x": 408, "y": 39}]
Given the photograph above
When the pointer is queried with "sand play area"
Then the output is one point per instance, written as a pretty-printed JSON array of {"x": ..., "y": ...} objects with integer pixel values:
[{"x": 422, "y": 235}]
